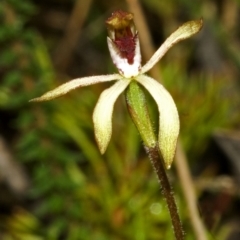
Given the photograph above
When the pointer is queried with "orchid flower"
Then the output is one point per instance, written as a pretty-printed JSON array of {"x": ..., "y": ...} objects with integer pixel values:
[{"x": 124, "y": 47}]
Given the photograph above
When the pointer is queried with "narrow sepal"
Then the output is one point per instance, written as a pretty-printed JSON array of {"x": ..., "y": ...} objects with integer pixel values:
[
  {"x": 102, "y": 116},
  {"x": 73, "y": 84},
  {"x": 185, "y": 31},
  {"x": 168, "y": 118}
]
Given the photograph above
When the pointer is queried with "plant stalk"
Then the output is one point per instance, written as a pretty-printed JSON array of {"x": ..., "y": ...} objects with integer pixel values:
[
  {"x": 138, "y": 110},
  {"x": 167, "y": 191}
]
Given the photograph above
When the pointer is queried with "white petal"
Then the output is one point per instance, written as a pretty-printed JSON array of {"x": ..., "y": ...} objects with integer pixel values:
[
  {"x": 79, "y": 82},
  {"x": 185, "y": 31},
  {"x": 138, "y": 56},
  {"x": 168, "y": 118},
  {"x": 102, "y": 116},
  {"x": 126, "y": 69}
]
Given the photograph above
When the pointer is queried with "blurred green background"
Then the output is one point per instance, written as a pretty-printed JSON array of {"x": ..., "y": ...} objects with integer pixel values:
[{"x": 54, "y": 184}]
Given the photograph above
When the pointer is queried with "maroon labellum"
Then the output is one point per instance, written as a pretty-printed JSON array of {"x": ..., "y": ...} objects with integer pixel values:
[
  {"x": 123, "y": 34},
  {"x": 126, "y": 47}
]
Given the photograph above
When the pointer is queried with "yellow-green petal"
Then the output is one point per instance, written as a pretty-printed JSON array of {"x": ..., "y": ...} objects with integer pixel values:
[
  {"x": 73, "y": 84},
  {"x": 185, "y": 31},
  {"x": 102, "y": 115}
]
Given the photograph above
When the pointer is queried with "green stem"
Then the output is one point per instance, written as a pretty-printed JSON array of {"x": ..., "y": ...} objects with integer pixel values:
[{"x": 137, "y": 107}]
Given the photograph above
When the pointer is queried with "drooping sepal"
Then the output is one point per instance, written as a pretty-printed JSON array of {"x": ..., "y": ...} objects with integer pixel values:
[
  {"x": 168, "y": 118},
  {"x": 102, "y": 115}
]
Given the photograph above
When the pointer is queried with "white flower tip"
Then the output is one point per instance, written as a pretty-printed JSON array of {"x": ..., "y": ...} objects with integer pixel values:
[
  {"x": 34, "y": 100},
  {"x": 55, "y": 93},
  {"x": 103, "y": 131},
  {"x": 189, "y": 28},
  {"x": 168, "y": 153},
  {"x": 102, "y": 145},
  {"x": 45, "y": 97},
  {"x": 168, "y": 136}
]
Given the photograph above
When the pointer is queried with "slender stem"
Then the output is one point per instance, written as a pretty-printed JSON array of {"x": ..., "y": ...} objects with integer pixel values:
[{"x": 167, "y": 192}]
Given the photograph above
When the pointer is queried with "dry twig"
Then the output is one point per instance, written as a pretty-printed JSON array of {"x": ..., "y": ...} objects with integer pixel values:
[
  {"x": 11, "y": 171},
  {"x": 64, "y": 50}
]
